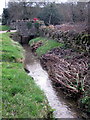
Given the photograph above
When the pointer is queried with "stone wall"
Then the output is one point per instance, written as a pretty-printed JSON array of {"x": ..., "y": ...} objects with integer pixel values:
[{"x": 26, "y": 29}]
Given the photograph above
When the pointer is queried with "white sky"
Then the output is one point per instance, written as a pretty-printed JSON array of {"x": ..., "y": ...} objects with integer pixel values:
[
  {"x": 2, "y": 2},
  {"x": 2, "y": 5}
]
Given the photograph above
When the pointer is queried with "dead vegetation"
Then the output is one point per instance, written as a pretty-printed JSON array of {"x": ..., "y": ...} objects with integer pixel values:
[
  {"x": 67, "y": 69},
  {"x": 36, "y": 45},
  {"x": 72, "y": 35}
]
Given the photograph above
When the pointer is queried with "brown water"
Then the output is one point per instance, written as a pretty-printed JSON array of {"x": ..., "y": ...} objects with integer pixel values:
[{"x": 63, "y": 108}]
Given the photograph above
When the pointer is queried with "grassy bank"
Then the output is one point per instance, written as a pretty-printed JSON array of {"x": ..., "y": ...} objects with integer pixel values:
[
  {"x": 47, "y": 45},
  {"x": 21, "y": 97},
  {"x": 4, "y": 27}
]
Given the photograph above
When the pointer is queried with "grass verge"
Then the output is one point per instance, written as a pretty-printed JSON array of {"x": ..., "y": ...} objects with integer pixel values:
[
  {"x": 47, "y": 45},
  {"x": 21, "y": 97},
  {"x": 4, "y": 27}
]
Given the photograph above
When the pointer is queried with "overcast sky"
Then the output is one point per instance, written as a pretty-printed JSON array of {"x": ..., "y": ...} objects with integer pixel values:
[
  {"x": 2, "y": 2},
  {"x": 2, "y": 5}
]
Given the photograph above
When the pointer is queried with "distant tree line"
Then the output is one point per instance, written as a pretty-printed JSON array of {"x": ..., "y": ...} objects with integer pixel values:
[{"x": 50, "y": 13}]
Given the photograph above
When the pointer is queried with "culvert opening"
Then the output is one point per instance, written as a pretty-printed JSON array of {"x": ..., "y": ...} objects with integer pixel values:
[
  {"x": 22, "y": 39},
  {"x": 26, "y": 39}
]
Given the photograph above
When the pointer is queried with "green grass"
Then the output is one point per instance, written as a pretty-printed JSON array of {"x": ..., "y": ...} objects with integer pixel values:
[
  {"x": 4, "y": 27},
  {"x": 11, "y": 51},
  {"x": 48, "y": 44},
  {"x": 21, "y": 97}
]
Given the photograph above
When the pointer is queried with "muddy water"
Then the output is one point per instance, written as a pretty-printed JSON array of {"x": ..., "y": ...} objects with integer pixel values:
[{"x": 63, "y": 108}]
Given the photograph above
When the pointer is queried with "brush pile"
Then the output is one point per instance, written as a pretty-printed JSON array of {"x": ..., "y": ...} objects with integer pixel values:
[
  {"x": 74, "y": 36},
  {"x": 66, "y": 68}
]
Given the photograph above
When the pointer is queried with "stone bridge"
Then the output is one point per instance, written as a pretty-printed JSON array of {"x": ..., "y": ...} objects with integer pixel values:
[{"x": 26, "y": 29}]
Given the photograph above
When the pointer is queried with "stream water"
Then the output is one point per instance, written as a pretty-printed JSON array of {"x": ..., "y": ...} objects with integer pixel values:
[{"x": 63, "y": 107}]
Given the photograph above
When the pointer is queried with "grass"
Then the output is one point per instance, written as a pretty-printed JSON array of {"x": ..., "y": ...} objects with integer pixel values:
[
  {"x": 21, "y": 97},
  {"x": 48, "y": 44},
  {"x": 10, "y": 52},
  {"x": 4, "y": 27}
]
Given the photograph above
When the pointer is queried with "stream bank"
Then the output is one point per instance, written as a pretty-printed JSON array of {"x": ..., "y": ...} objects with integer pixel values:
[
  {"x": 63, "y": 108},
  {"x": 68, "y": 70},
  {"x": 21, "y": 97},
  {"x": 32, "y": 66}
]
